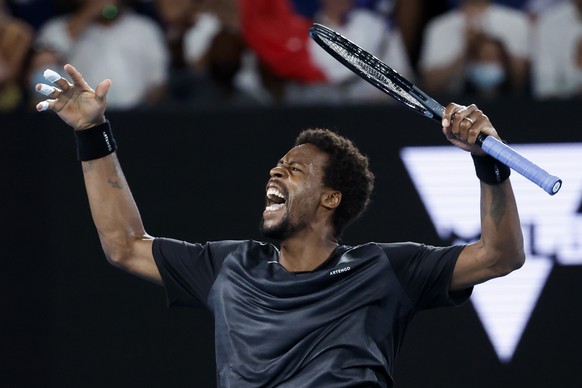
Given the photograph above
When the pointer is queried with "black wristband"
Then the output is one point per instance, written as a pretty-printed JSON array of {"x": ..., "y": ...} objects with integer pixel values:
[
  {"x": 490, "y": 170},
  {"x": 95, "y": 142}
]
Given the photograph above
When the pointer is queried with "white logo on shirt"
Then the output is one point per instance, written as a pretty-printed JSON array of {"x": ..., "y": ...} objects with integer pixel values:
[{"x": 338, "y": 271}]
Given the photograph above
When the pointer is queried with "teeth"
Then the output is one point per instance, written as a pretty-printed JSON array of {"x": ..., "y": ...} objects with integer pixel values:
[
  {"x": 275, "y": 192},
  {"x": 274, "y": 207}
]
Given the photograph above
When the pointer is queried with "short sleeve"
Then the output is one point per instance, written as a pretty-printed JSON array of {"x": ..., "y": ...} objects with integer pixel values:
[
  {"x": 188, "y": 270},
  {"x": 425, "y": 273}
]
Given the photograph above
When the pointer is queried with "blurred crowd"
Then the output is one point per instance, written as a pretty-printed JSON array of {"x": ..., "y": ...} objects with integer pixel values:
[{"x": 257, "y": 52}]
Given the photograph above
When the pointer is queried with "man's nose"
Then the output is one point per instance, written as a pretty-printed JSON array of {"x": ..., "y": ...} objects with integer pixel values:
[{"x": 278, "y": 172}]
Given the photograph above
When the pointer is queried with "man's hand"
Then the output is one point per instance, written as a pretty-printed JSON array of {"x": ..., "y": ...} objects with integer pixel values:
[
  {"x": 463, "y": 124},
  {"x": 77, "y": 104}
]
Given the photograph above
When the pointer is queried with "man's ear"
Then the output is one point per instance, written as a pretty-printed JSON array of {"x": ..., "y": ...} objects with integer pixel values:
[{"x": 331, "y": 199}]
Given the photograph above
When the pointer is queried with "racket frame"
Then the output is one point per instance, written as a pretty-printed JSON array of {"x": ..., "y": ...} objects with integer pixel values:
[{"x": 427, "y": 106}]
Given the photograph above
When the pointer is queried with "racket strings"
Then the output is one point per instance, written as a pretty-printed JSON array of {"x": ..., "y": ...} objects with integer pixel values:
[{"x": 371, "y": 72}]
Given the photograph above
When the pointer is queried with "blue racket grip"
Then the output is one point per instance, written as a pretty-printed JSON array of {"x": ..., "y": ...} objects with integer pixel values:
[
  {"x": 502, "y": 152},
  {"x": 512, "y": 159}
]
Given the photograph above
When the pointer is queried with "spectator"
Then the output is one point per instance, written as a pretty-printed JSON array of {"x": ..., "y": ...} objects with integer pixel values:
[
  {"x": 448, "y": 37},
  {"x": 365, "y": 28},
  {"x": 488, "y": 69},
  {"x": 409, "y": 16},
  {"x": 176, "y": 17},
  {"x": 130, "y": 49},
  {"x": 212, "y": 19},
  {"x": 216, "y": 52},
  {"x": 557, "y": 64},
  {"x": 278, "y": 37},
  {"x": 15, "y": 42}
]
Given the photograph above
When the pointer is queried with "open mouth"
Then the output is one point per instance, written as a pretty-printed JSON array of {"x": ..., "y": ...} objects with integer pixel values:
[{"x": 275, "y": 199}]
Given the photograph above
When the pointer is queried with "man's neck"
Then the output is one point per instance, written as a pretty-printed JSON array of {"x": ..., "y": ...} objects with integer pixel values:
[{"x": 305, "y": 253}]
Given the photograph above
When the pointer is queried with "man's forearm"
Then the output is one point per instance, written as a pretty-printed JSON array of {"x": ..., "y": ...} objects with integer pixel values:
[
  {"x": 113, "y": 208},
  {"x": 500, "y": 227}
]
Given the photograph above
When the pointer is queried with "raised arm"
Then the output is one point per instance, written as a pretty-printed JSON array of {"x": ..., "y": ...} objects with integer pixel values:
[
  {"x": 500, "y": 248},
  {"x": 123, "y": 237}
]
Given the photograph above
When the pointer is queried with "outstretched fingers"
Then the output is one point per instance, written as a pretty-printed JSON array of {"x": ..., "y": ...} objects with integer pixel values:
[
  {"x": 101, "y": 89},
  {"x": 56, "y": 79},
  {"x": 48, "y": 90},
  {"x": 56, "y": 103},
  {"x": 61, "y": 90},
  {"x": 76, "y": 103},
  {"x": 45, "y": 105},
  {"x": 62, "y": 86},
  {"x": 77, "y": 78}
]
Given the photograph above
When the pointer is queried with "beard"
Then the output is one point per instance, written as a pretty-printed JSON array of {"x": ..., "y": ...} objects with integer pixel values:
[{"x": 281, "y": 231}]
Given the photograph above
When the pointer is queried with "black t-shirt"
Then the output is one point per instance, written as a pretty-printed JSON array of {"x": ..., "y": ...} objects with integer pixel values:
[{"x": 340, "y": 325}]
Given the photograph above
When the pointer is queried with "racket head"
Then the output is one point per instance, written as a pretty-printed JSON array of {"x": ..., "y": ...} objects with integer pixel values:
[
  {"x": 389, "y": 81},
  {"x": 376, "y": 72}
]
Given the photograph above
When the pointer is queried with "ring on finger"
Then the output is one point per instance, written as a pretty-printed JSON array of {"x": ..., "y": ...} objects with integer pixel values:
[{"x": 469, "y": 120}]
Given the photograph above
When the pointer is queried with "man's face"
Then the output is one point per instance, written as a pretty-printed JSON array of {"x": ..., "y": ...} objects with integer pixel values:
[{"x": 294, "y": 192}]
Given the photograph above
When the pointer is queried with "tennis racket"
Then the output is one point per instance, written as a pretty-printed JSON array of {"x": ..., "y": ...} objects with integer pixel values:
[{"x": 390, "y": 82}]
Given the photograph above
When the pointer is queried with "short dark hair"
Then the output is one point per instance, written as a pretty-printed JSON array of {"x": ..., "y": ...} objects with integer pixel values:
[{"x": 347, "y": 172}]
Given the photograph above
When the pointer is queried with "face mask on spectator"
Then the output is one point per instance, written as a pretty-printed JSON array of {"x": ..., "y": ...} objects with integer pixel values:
[{"x": 485, "y": 75}]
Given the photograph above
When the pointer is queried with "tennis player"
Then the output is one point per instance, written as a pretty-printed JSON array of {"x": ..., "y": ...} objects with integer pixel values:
[{"x": 308, "y": 312}]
